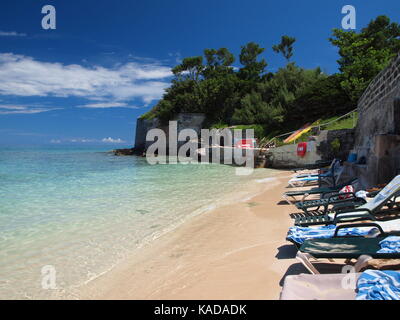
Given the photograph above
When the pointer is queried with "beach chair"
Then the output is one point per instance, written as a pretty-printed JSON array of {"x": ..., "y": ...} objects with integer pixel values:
[
  {"x": 298, "y": 235},
  {"x": 318, "y": 287},
  {"x": 368, "y": 285},
  {"x": 317, "y": 165},
  {"x": 303, "y": 181},
  {"x": 315, "y": 191},
  {"x": 387, "y": 196},
  {"x": 362, "y": 249},
  {"x": 348, "y": 198},
  {"x": 306, "y": 179}
]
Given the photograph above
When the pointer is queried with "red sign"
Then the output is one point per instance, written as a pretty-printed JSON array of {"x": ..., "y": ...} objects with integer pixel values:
[
  {"x": 245, "y": 143},
  {"x": 302, "y": 149}
]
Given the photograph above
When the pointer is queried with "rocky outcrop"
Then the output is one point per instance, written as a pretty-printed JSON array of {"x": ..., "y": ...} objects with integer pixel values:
[{"x": 124, "y": 152}]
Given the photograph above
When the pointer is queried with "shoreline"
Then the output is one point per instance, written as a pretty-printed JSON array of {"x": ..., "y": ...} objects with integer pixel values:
[{"x": 236, "y": 251}]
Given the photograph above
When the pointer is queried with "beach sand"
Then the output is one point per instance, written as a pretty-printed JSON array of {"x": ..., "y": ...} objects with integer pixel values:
[{"x": 236, "y": 251}]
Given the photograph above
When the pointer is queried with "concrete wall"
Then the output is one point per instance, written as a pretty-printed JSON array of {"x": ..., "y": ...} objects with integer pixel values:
[
  {"x": 286, "y": 156},
  {"x": 320, "y": 149}
]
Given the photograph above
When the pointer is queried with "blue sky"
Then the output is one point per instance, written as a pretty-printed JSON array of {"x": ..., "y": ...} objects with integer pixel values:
[{"x": 109, "y": 61}]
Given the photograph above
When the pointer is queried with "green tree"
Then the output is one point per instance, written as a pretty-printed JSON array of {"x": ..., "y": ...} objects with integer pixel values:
[
  {"x": 190, "y": 68},
  {"x": 364, "y": 54},
  {"x": 285, "y": 47},
  {"x": 219, "y": 62},
  {"x": 254, "y": 110},
  {"x": 324, "y": 98},
  {"x": 252, "y": 70}
]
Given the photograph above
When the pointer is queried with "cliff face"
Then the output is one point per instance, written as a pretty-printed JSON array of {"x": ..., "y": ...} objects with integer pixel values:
[{"x": 184, "y": 121}]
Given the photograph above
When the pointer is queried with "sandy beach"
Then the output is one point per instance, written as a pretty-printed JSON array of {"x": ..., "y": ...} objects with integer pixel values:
[{"x": 237, "y": 251}]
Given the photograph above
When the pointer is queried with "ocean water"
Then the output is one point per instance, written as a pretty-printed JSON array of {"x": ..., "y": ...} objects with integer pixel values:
[{"x": 82, "y": 210}]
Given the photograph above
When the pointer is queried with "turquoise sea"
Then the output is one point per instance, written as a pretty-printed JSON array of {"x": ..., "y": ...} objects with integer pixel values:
[{"x": 83, "y": 210}]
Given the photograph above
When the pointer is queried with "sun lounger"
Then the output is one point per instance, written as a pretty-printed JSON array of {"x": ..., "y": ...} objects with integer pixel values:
[
  {"x": 387, "y": 196},
  {"x": 369, "y": 285},
  {"x": 318, "y": 287},
  {"x": 345, "y": 197},
  {"x": 363, "y": 249},
  {"x": 306, "y": 179},
  {"x": 317, "y": 165},
  {"x": 298, "y": 235},
  {"x": 303, "y": 181},
  {"x": 316, "y": 191}
]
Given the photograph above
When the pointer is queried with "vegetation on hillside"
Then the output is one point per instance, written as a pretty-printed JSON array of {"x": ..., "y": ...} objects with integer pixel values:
[{"x": 281, "y": 101}]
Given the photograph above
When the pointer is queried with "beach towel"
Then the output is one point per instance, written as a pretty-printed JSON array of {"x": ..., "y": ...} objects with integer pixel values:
[
  {"x": 303, "y": 180},
  {"x": 390, "y": 245},
  {"x": 300, "y": 234},
  {"x": 346, "y": 189},
  {"x": 378, "y": 285}
]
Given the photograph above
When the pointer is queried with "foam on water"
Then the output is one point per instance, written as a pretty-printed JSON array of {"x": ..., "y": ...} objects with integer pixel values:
[{"x": 82, "y": 211}]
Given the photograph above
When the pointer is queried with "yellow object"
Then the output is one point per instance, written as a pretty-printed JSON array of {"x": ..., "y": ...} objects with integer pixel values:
[
  {"x": 295, "y": 135},
  {"x": 298, "y": 133}
]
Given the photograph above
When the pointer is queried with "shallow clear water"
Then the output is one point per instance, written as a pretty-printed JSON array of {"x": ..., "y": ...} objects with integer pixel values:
[{"x": 82, "y": 210}]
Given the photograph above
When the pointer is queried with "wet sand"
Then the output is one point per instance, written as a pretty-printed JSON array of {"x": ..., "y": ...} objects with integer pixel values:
[{"x": 234, "y": 252}]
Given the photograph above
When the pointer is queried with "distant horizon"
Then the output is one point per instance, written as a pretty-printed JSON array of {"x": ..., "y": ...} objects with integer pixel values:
[
  {"x": 66, "y": 144},
  {"x": 106, "y": 64}
]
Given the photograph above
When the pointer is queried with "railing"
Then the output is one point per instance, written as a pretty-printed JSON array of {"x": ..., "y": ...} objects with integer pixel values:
[{"x": 352, "y": 113}]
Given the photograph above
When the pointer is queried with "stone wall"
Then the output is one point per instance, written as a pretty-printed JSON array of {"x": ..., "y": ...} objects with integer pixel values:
[
  {"x": 379, "y": 108},
  {"x": 142, "y": 127},
  {"x": 184, "y": 121},
  {"x": 378, "y": 130},
  {"x": 327, "y": 138}
]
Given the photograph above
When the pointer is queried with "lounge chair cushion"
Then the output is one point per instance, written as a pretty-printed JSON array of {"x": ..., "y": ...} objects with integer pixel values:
[
  {"x": 316, "y": 287},
  {"x": 346, "y": 248}
]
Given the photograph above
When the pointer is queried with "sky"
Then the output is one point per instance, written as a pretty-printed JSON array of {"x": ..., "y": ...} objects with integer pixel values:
[{"x": 107, "y": 62}]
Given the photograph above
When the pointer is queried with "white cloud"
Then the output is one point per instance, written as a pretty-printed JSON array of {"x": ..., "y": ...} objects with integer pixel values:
[
  {"x": 24, "y": 76},
  {"x": 11, "y": 34},
  {"x": 21, "y": 109},
  {"x": 82, "y": 140},
  {"x": 111, "y": 140},
  {"x": 86, "y": 140},
  {"x": 103, "y": 105}
]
